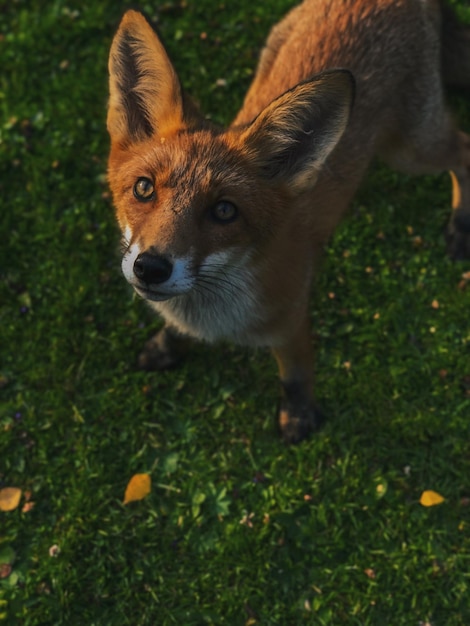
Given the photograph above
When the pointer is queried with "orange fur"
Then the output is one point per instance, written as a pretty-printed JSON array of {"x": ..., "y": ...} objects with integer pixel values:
[{"x": 224, "y": 227}]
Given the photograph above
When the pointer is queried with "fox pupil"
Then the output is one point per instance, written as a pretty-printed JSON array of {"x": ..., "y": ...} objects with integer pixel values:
[
  {"x": 224, "y": 211},
  {"x": 144, "y": 189}
]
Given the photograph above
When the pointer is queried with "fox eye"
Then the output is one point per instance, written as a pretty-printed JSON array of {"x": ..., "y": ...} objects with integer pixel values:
[
  {"x": 224, "y": 211},
  {"x": 144, "y": 189}
]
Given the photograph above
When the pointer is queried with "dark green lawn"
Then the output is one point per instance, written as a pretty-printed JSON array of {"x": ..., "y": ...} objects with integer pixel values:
[{"x": 238, "y": 529}]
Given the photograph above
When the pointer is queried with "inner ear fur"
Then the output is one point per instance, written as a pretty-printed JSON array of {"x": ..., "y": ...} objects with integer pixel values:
[
  {"x": 145, "y": 92},
  {"x": 293, "y": 136}
]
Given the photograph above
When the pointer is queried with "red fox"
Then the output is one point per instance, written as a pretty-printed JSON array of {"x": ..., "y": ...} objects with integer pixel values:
[{"x": 223, "y": 229}]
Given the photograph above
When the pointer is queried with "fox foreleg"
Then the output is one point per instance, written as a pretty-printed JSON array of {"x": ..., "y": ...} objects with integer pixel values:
[
  {"x": 298, "y": 415},
  {"x": 165, "y": 350}
]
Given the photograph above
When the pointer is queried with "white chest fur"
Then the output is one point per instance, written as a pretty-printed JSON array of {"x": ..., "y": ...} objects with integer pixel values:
[{"x": 224, "y": 302}]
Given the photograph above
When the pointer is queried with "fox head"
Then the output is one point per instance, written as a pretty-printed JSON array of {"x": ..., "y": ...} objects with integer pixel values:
[{"x": 202, "y": 209}]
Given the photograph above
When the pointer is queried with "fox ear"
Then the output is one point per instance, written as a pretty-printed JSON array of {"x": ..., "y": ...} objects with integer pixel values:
[
  {"x": 145, "y": 93},
  {"x": 293, "y": 136}
]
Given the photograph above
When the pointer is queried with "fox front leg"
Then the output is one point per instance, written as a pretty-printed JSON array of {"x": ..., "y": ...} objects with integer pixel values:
[
  {"x": 298, "y": 415},
  {"x": 164, "y": 350}
]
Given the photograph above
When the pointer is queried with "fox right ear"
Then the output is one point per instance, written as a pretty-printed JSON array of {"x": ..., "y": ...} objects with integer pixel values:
[
  {"x": 292, "y": 137},
  {"x": 145, "y": 93}
]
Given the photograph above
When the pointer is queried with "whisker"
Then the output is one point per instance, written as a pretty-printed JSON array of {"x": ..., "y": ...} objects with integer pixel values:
[
  {"x": 205, "y": 288},
  {"x": 223, "y": 286},
  {"x": 229, "y": 291},
  {"x": 124, "y": 245},
  {"x": 220, "y": 281}
]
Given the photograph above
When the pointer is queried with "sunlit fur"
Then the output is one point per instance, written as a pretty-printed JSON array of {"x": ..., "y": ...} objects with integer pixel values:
[{"x": 337, "y": 84}]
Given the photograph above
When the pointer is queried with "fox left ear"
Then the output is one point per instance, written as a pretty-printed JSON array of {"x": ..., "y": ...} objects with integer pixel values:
[
  {"x": 145, "y": 92},
  {"x": 293, "y": 136}
]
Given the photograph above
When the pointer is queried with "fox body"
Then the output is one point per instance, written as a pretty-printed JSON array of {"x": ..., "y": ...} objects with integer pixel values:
[{"x": 223, "y": 228}]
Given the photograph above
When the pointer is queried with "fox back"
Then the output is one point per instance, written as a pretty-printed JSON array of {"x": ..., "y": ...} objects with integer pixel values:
[{"x": 223, "y": 228}]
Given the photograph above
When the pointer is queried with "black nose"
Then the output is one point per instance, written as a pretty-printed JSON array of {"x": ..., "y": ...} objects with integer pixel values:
[{"x": 152, "y": 268}]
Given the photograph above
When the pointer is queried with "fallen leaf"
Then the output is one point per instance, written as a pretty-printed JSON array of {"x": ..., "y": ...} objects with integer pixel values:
[
  {"x": 54, "y": 551},
  {"x": 381, "y": 490},
  {"x": 430, "y": 498},
  {"x": 9, "y": 498},
  {"x": 27, "y": 507},
  {"x": 246, "y": 520},
  {"x": 139, "y": 486},
  {"x": 463, "y": 284}
]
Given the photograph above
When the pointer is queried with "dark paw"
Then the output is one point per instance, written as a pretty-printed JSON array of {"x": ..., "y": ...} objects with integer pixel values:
[
  {"x": 458, "y": 246},
  {"x": 458, "y": 236},
  {"x": 298, "y": 423},
  {"x": 163, "y": 351}
]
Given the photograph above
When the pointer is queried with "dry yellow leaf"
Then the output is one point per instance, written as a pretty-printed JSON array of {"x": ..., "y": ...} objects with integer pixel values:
[
  {"x": 430, "y": 498},
  {"x": 9, "y": 498},
  {"x": 139, "y": 486}
]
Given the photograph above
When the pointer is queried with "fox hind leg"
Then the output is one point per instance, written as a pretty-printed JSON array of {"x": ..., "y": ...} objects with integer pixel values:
[
  {"x": 458, "y": 231},
  {"x": 433, "y": 147}
]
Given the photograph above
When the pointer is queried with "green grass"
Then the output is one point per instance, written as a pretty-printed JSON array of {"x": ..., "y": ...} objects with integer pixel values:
[{"x": 332, "y": 530}]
